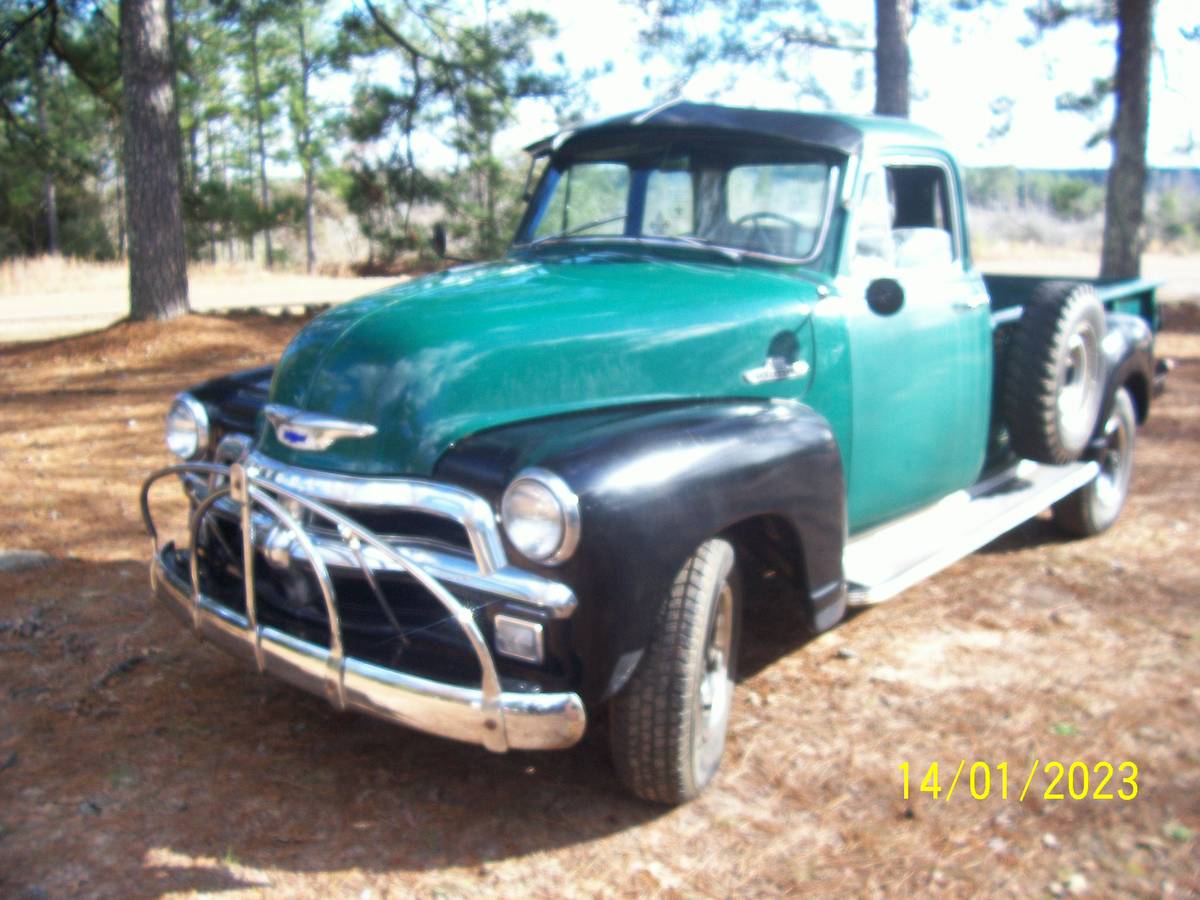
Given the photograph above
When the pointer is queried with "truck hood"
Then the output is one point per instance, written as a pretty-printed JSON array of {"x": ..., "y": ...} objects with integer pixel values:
[{"x": 431, "y": 361}]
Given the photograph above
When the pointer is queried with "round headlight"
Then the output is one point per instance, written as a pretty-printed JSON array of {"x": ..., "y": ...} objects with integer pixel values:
[
  {"x": 541, "y": 516},
  {"x": 187, "y": 427}
]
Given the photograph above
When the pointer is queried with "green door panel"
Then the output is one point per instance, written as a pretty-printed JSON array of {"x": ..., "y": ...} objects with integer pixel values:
[
  {"x": 433, "y": 360},
  {"x": 921, "y": 394}
]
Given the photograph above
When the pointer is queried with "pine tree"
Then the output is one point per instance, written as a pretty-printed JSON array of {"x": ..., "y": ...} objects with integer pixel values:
[
  {"x": 158, "y": 284},
  {"x": 1124, "y": 206},
  {"x": 1129, "y": 88}
]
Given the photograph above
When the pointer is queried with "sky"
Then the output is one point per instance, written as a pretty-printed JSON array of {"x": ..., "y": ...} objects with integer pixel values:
[{"x": 957, "y": 73}]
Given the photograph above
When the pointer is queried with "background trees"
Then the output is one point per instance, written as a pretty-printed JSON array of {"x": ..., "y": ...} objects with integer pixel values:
[
  {"x": 57, "y": 122},
  {"x": 461, "y": 79},
  {"x": 383, "y": 116}
]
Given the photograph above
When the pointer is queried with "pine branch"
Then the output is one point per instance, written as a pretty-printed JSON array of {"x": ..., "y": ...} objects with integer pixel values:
[{"x": 9, "y": 34}]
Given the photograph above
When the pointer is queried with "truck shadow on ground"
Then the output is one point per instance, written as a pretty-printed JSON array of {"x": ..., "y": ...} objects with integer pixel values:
[
  {"x": 1038, "y": 532},
  {"x": 155, "y": 763}
]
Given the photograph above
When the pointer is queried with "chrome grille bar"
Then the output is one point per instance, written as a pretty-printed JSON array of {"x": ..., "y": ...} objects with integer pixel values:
[
  {"x": 248, "y": 490},
  {"x": 485, "y": 569}
]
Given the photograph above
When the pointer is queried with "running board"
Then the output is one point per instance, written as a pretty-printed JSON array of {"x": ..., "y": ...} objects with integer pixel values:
[{"x": 882, "y": 562}]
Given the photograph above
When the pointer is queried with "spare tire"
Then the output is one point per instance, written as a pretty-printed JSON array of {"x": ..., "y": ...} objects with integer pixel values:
[{"x": 1054, "y": 377}]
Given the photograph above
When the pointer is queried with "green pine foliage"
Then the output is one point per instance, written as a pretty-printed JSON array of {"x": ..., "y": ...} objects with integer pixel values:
[{"x": 287, "y": 108}]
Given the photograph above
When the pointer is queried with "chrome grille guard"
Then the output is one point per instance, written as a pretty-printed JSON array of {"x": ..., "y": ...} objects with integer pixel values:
[{"x": 489, "y": 716}]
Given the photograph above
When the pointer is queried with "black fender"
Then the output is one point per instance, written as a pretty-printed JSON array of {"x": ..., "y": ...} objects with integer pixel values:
[
  {"x": 234, "y": 401},
  {"x": 654, "y": 482},
  {"x": 1128, "y": 348}
]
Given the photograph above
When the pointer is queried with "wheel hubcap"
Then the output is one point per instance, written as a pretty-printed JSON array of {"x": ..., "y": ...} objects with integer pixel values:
[
  {"x": 1079, "y": 373},
  {"x": 1113, "y": 479},
  {"x": 716, "y": 687}
]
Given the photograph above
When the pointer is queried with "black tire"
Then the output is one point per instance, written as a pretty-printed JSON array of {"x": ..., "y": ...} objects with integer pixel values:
[
  {"x": 667, "y": 726},
  {"x": 1095, "y": 507},
  {"x": 1054, "y": 378}
]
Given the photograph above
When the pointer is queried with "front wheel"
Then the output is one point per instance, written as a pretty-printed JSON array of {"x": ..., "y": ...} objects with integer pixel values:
[
  {"x": 1095, "y": 506},
  {"x": 667, "y": 726}
]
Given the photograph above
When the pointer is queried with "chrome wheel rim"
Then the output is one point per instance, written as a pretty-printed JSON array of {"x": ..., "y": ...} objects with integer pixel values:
[
  {"x": 1078, "y": 377},
  {"x": 1113, "y": 480},
  {"x": 714, "y": 694}
]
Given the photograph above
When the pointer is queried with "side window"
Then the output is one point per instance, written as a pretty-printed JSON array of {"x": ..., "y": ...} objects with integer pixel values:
[
  {"x": 669, "y": 204},
  {"x": 923, "y": 219},
  {"x": 873, "y": 246}
]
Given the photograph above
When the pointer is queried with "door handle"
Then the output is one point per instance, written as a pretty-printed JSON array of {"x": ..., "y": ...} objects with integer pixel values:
[
  {"x": 968, "y": 305},
  {"x": 776, "y": 368}
]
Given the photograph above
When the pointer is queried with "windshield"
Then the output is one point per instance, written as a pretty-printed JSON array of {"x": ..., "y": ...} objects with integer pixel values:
[{"x": 741, "y": 198}]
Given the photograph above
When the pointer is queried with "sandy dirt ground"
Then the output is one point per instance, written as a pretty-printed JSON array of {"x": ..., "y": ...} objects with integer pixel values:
[
  {"x": 47, "y": 298},
  {"x": 137, "y": 762}
]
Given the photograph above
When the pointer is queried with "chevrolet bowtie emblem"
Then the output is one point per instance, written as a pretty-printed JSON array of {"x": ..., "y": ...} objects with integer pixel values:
[{"x": 312, "y": 431}]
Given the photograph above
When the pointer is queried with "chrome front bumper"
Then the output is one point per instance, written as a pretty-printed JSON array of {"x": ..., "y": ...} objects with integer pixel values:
[{"x": 496, "y": 719}]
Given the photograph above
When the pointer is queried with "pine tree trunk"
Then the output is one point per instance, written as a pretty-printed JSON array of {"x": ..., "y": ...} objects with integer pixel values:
[
  {"x": 158, "y": 286},
  {"x": 264, "y": 189},
  {"x": 1125, "y": 198},
  {"x": 49, "y": 197},
  {"x": 307, "y": 152},
  {"x": 892, "y": 19},
  {"x": 121, "y": 218},
  {"x": 211, "y": 169}
]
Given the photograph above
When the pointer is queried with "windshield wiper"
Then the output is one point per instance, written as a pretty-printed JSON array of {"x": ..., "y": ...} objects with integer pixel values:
[{"x": 595, "y": 223}]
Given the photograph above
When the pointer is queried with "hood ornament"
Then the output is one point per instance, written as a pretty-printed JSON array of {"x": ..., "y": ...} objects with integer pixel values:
[{"x": 312, "y": 431}]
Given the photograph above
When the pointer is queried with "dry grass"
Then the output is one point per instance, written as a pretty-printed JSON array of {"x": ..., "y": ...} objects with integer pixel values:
[
  {"x": 137, "y": 762},
  {"x": 56, "y": 296},
  {"x": 42, "y": 275},
  {"x": 58, "y": 274}
]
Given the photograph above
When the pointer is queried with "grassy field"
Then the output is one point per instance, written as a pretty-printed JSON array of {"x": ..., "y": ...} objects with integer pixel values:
[{"x": 136, "y": 762}]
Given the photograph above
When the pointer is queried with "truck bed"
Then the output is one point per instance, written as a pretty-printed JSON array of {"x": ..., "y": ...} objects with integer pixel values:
[{"x": 1134, "y": 296}]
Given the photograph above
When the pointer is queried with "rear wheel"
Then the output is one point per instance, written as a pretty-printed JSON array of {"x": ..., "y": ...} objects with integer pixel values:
[
  {"x": 1095, "y": 506},
  {"x": 1055, "y": 373},
  {"x": 667, "y": 726}
]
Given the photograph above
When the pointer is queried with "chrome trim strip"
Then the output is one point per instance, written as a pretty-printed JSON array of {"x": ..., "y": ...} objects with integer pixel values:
[
  {"x": 1007, "y": 315},
  {"x": 531, "y": 721},
  {"x": 239, "y": 492},
  {"x": 551, "y": 598},
  {"x": 776, "y": 368},
  {"x": 469, "y": 510}
]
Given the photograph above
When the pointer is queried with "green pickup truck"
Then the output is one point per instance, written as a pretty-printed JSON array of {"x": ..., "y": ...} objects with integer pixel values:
[{"x": 726, "y": 345}]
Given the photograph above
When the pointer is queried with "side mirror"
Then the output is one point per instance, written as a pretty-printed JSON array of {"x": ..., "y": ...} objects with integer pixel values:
[
  {"x": 439, "y": 240},
  {"x": 885, "y": 296}
]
